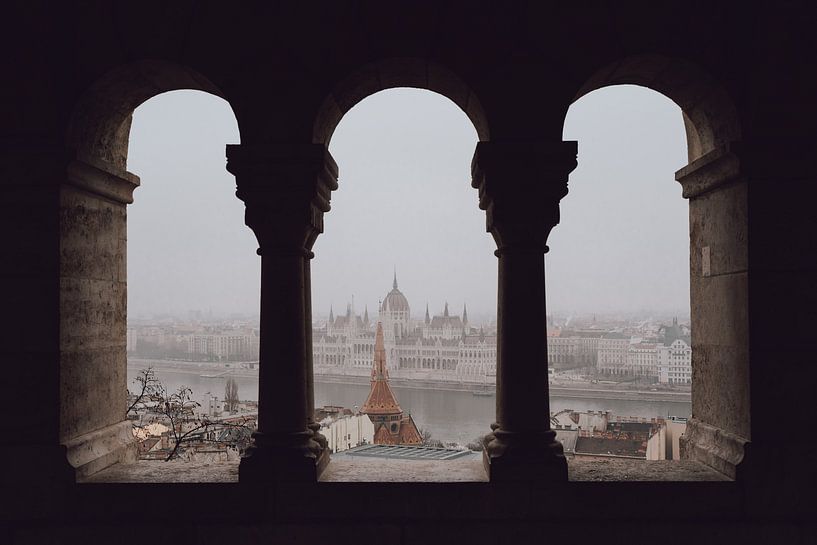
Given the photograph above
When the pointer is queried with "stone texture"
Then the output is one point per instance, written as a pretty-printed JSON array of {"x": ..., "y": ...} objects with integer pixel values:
[{"x": 351, "y": 469}]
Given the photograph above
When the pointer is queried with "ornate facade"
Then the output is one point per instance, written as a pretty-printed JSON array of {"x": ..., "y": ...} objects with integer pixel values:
[{"x": 444, "y": 347}]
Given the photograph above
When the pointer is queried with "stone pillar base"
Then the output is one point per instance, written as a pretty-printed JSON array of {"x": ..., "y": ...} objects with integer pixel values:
[
  {"x": 94, "y": 451},
  {"x": 514, "y": 457},
  {"x": 317, "y": 437},
  {"x": 267, "y": 462},
  {"x": 719, "y": 449}
]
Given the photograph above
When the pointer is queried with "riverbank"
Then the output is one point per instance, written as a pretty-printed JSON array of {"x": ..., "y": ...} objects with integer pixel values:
[
  {"x": 579, "y": 390},
  {"x": 574, "y": 389}
]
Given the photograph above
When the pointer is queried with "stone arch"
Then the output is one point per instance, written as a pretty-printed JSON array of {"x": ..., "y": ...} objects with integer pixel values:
[
  {"x": 710, "y": 115},
  {"x": 93, "y": 249},
  {"x": 99, "y": 126},
  {"x": 715, "y": 185},
  {"x": 389, "y": 74}
]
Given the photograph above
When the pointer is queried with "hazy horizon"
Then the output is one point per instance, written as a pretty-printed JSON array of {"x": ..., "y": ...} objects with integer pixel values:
[{"x": 405, "y": 201}]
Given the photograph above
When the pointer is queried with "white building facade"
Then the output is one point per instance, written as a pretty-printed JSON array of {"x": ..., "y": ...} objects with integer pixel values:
[
  {"x": 675, "y": 363},
  {"x": 443, "y": 347}
]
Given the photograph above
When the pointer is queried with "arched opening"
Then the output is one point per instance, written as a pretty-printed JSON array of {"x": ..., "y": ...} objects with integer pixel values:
[
  {"x": 718, "y": 342},
  {"x": 93, "y": 248},
  {"x": 404, "y": 229},
  {"x": 193, "y": 280}
]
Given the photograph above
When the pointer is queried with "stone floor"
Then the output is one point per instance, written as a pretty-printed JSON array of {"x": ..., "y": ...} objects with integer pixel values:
[{"x": 361, "y": 469}]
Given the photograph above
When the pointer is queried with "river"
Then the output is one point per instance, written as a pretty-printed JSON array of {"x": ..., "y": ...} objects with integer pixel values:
[{"x": 457, "y": 417}]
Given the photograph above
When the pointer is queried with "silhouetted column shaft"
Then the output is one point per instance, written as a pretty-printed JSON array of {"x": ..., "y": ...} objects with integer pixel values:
[
  {"x": 282, "y": 374},
  {"x": 520, "y": 185},
  {"x": 310, "y": 377},
  {"x": 286, "y": 190},
  {"x": 520, "y": 405}
]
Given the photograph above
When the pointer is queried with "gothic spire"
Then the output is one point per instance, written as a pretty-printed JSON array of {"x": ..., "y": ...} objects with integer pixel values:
[
  {"x": 394, "y": 284},
  {"x": 445, "y": 313},
  {"x": 464, "y": 314},
  {"x": 331, "y": 315},
  {"x": 379, "y": 371},
  {"x": 381, "y": 399},
  {"x": 428, "y": 318},
  {"x": 366, "y": 315}
]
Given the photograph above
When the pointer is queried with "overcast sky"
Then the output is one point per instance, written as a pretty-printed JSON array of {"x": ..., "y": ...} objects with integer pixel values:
[{"x": 405, "y": 201}]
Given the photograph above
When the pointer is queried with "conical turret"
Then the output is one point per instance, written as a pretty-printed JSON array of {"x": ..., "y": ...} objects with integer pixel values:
[
  {"x": 428, "y": 318},
  {"x": 464, "y": 314}
]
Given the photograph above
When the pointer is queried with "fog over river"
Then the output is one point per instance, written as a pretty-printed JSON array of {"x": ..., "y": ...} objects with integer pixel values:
[{"x": 450, "y": 416}]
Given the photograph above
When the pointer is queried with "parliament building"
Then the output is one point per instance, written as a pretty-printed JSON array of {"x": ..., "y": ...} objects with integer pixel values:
[{"x": 443, "y": 347}]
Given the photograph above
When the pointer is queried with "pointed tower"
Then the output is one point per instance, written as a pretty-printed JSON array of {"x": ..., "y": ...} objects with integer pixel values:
[
  {"x": 464, "y": 315},
  {"x": 391, "y": 427},
  {"x": 331, "y": 315},
  {"x": 445, "y": 313},
  {"x": 428, "y": 318},
  {"x": 394, "y": 284},
  {"x": 366, "y": 316}
]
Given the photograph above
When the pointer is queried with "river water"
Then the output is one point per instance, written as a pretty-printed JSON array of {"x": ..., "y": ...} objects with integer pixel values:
[{"x": 457, "y": 417}]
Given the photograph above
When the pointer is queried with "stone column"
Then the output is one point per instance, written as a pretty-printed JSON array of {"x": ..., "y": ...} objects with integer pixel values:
[
  {"x": 286, "y": 190},
  {"x": 717, "y": 187},
  {"x": 310, "y": 378},
  {"x": 520, "y": 185},
  {"x": 93, "y": 316},
  {"x": 64, "y": 270}
]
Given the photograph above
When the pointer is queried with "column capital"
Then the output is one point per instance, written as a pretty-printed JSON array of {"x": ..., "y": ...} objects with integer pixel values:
[
  {"x": 712, "y": 170},
  {"x": 520, "y": 185},
  {"x": 93, "y": 177},
  {"x": 286, "y": 189}
]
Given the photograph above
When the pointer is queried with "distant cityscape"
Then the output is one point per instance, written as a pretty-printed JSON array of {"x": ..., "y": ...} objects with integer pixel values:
[{"x": 441, "y": 347}]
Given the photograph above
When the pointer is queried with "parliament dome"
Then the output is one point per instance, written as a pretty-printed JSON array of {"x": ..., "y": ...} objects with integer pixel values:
[{"x": 395, "y": 301}]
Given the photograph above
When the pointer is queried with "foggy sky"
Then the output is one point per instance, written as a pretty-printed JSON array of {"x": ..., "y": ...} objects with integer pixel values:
[{"x": 405, "y": 201}]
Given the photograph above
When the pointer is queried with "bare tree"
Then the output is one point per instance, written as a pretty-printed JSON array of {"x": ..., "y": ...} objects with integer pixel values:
[
  {"x": 231, "y": 395},
  {"x": 428, "y": 440},
  {"x": 179, "y": 411},
  {"x": 148, "y": 388}
]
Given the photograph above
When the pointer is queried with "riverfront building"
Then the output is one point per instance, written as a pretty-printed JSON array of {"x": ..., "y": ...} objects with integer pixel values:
[
  {"x": 446, "y": 347},
  {"x": 443, "y": 347}
]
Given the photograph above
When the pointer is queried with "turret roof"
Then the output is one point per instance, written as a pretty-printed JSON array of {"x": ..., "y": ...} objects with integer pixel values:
[{"x": 381, "y": 399}]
